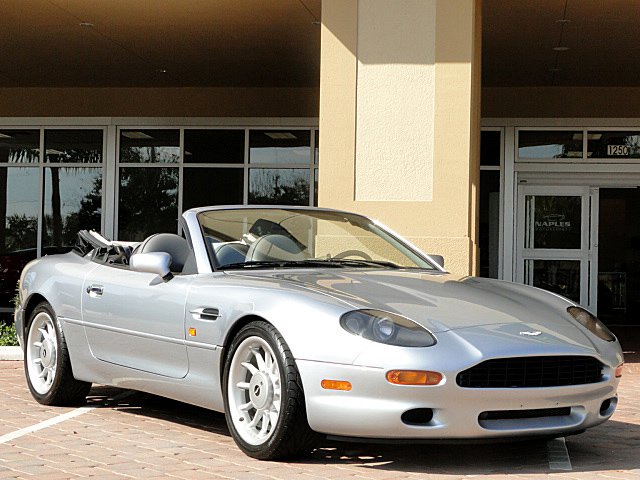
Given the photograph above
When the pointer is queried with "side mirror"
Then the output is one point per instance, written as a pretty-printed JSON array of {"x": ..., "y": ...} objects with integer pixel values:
[
  {"x": 439, "y": 259},
  {"x": 153, "y": 262}
]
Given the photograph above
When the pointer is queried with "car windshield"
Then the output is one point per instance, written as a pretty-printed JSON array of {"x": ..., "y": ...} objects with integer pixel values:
[{"x": 246, "y": 238}]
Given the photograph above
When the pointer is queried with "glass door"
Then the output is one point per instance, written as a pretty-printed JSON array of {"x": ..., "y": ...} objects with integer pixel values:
[{"x": 555, "y": 250}]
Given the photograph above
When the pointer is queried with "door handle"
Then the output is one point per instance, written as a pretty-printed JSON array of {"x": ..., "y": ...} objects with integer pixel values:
[
  {"x": 95, "y": 290},
  {"x": 203, "y": 313}
]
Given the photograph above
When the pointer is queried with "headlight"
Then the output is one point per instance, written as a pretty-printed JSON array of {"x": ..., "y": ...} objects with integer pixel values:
[
  {"x": 591, "y": 323},
  {"x": 387, "y": 328}
]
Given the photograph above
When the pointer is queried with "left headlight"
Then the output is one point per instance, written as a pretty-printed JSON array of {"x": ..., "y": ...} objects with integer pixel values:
[
  {"x": 591, "y": 323},
  {"x": 388, "y": 328}
]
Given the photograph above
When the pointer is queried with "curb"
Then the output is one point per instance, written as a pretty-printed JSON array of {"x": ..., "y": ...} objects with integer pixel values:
[{"x": 10, "y": 353}]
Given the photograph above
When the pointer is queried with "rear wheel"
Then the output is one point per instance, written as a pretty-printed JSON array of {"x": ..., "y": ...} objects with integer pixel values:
[
  {"x": 47, "y": 364},
  {"x": 263, "y": 396}
]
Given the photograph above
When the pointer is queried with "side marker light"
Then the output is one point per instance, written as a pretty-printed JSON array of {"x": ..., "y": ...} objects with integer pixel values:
[
  {"x": 192, "y": 332},
  {"x": 619, "y": 370},
  {"x": 336, "y": 385},
  {"x": 413, "y": 377}
]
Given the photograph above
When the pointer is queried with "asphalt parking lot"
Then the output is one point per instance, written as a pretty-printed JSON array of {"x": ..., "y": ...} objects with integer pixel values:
[{"x": 124, "y": 434}]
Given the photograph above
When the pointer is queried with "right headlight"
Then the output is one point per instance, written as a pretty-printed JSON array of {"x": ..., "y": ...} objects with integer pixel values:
[
  {"x": 591, "y": 323},
  {"x": 388, "y": 328}
]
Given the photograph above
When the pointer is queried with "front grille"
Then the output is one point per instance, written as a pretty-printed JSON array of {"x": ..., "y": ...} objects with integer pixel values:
[
  {"x": 525, "y": 372},
  {"x": 519, "y": 414}
]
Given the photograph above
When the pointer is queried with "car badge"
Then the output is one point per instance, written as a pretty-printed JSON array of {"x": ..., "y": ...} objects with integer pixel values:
[{"x": 531, "y": 334}]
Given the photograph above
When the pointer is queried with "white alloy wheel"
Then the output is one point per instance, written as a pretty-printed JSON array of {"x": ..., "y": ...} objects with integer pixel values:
[
  {"x": 254, "y": 390},
  {"x": 42, "y": 353}
]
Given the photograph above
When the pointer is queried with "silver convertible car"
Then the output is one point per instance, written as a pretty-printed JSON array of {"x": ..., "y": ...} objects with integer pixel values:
[{"x": 303, "y": 323}]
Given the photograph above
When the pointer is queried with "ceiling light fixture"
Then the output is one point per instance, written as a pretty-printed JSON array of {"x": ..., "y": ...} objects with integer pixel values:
[
  {"x": 560, "y": 48},
  {"x": 136, "y": 135},
  {"x": 161, "y": 70},
  {"x": 87, "y": 24}
]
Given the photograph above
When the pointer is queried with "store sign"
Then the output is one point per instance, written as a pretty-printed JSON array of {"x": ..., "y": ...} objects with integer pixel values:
[
  {"x": 618, "y": 150},
  {"x": 554, "y": 222}
]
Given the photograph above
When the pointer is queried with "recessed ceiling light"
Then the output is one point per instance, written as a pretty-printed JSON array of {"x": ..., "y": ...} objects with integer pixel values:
[
  {"x": 136, "y": 135},
  {"x": 280, "y": 135},
  {"x": 561, "y": 48},
  {"x": 2, "y": 135},
  {"x": 563, "y": 20},
  {"x": 161, "y": 70},
  {"x": 87, "y": 24}
]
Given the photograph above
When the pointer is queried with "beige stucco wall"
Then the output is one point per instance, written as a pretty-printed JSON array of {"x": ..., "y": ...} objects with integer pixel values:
[
  {"x": 441, "y": 220},
  {"x": 159, "y": 102},
  {"x": 561, "y": 102}
]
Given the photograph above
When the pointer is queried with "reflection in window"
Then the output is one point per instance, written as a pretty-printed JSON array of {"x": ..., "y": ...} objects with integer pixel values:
[
  {"x": 549, "y": 144},
  {"x": 19, "y": 206},
  {"x": 280, "y": 147},
  {"x": 19, "y": 146},
  {"x": 72, "y": 202},
  {"x": 212, "y": 186},
  {"x": 558, "y": 276},
  {"x": 214, "y": 146},
  {"x": 73, "y": 146},
  {"x": 148, "y": 202},
  {"x": 279, "y": 186},
  {"x": 317, "y": 147},
  {"x": 613, "y": 144},
  {"x": 149, "y": 146}
]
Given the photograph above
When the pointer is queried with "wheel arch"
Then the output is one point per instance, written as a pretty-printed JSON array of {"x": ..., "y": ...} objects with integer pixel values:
[
  {"x": 34, "y": 300},
  {"x": 231, "y": 334}
]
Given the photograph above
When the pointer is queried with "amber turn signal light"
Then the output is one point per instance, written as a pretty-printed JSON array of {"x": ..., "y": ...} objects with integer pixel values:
[
  {"x": 413, "y": 377},
  {"x": 192, "y": 332},
  {"x": 619, "y": 370},
  {"x": 336, "y": 385}
]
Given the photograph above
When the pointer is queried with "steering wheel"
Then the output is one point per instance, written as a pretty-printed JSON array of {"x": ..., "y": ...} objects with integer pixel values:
[{"x": 352, "y": 253}]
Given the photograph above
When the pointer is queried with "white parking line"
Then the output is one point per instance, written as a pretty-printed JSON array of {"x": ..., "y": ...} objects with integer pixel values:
[
  {"x": 58, "y": 419},
  {"x": 558, "y": 455}
]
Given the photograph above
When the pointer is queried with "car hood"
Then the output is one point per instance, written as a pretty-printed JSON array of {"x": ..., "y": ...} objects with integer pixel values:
[{"x": 442, "y": 302}]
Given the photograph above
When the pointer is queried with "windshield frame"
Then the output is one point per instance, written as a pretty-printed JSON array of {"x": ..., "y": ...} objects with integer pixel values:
[{"x": 195, "y": 213}]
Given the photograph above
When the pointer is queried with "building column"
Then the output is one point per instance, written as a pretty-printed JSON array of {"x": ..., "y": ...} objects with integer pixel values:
[{"x": 400, "y": 119}]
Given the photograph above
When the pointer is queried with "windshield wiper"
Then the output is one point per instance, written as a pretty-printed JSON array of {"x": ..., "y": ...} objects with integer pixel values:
[
  {"x": 310, "y": 262},
  {"x": 279, "y": 264}
]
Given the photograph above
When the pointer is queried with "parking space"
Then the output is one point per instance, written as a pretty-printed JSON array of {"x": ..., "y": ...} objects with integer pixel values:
[{"x": 122, "y": 434}]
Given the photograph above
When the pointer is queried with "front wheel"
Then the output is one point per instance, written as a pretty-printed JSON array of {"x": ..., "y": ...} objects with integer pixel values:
[
  {"x": 263, "y": 396},
  {"x": 47, "y": 364}
]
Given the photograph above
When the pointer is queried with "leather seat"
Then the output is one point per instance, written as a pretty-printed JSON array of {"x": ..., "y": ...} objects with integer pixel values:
[
  {"x": 275, "y": 247},
  {"x": 173, "y": 244}
]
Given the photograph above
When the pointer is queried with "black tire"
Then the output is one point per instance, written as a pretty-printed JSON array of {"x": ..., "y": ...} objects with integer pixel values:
[
  {"x": 290, "y": 436},
  {"x": 62, "y": 389}
]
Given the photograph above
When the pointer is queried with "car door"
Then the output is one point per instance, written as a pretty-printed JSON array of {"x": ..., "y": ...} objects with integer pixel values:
[{"x": 136, "y": 320}]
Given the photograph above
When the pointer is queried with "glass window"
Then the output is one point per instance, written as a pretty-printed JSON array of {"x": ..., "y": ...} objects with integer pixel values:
[
  {"x": 72, "y": 202},
  {"x": 556, "y": 221},
  {"x": 148, "y": 202},
  {"x": 279, "y": 186},
  {"x": 315, "y": 187},
  {"x": 490, "y": 148},
  {"x": 280, "y": 146},
  {"x": 489, "y": 233},
  {"x": 549, "y": 144},
  {"x": 19, "y": 146},
  {"x": 73, "y": 146},
  {"x": 317, "y": 147},
  {"x": 558, "y": 276},
  {"x": 19, "y": 207},
  {"x": 212, "y": 186},
  {"x": 149, "y": 146},
  {"x": 214, "y": 146},
  {"x": 616, "y": 145}
]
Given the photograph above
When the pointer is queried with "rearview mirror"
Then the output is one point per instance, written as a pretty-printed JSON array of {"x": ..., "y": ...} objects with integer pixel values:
[
  {"x": 153, "y": 262},
  {"x": 439, "y": 259}
]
